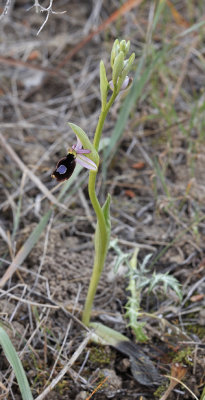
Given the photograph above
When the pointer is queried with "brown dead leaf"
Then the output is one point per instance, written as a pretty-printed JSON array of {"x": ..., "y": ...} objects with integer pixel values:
[
  {"x": 197, "y": 297},
  {"x": 34, "y": 55},
  {"x": 129, "y": 193},
  {"x": 178, "y": 372},
  {"x": 138, "y": 165},
  {"x": 179, "y": 19}
]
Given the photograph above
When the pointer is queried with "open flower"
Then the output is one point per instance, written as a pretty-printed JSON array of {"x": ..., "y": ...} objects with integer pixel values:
[
  {"x": 66, "y": 165},
  {"x": 125, "y": 85}
]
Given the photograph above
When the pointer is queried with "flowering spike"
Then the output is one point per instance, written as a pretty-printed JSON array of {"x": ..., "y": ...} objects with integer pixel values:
[{"x": 120, "y": 65}]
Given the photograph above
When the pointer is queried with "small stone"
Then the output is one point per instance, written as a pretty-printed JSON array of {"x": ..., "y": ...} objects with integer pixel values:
[
  {"x": 82, "y": 395},
  {"x": 113, "y": 382},
  {"x": 124, "y": 365}
]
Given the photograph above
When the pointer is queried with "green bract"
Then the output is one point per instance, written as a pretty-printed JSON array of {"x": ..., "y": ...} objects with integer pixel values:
[
  {"x": 83, "y": 137},
  {"x": 104, "y": 85}
]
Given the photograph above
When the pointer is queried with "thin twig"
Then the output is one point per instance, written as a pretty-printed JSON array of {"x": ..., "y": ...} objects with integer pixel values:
[
  {"x": 6, "y": 9},
  {"x": 48, "y": 10},
  {"x": 66, "y": 368}
]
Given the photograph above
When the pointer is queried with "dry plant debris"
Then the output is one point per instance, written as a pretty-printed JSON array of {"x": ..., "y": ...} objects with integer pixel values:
[{"x": 156, "y": 179}]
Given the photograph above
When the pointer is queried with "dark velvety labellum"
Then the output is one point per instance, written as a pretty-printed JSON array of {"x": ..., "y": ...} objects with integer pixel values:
[{"x": 64, "y": 168}]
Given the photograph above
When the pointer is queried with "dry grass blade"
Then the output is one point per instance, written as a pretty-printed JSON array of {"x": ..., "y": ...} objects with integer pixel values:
[
  {"x": 162, "y": 118},
  {"x": 129, "y": 4},
  {"x": 31, "y": 175},
  {"x": 177, "y": 16},
  {"x": 97, "y": 388},
  {"x": 181, "y": 383},
  {"x": 19, "y": 63},
  {"x": 5, "y": 9},
  {"x": 4, "y": 389},
  {"x": 4, "y": 236},
  {"x": 25, "y": 249},
  {"x": 29, "y": 302},
  {"x": 66, "y": 368}
]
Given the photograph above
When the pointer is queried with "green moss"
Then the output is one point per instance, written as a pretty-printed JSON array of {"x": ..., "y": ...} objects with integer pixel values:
[
  {"x": 62, "y": 386},
  {"x": 160, "y": 391},
  {"x": 101, "y": 355},
  {"x": 184, "y": 356},
  {"x": 197, "y": 330}
]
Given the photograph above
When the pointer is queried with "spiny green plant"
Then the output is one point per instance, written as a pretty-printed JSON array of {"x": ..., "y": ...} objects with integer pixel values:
[{"x": 140, "y": 278}]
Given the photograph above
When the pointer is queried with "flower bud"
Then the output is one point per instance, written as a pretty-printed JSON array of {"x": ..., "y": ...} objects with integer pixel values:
[
  {"x": 118, "y": 67},
  {"x": 125, "y": 46},
  {"x": 114, "y": 52}
]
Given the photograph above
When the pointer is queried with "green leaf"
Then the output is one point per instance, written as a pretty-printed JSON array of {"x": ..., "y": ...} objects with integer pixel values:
[
  {"x": 104, "y": 85},
  {"x": 83, "y": 137},
  {"x": 133, "y": 261},
  {"x": 203, "y": 394},
  {"x": 16, "y": 364},
  {"x": 106, "y": 212},
  {"x": 142, "y": 367},
  {"x": 158, "y": 13},
  {"x": 193, "y": 28},
  {"x": 133, "y": 303},
  {"x": 98, "y": 234},
  {"x": 167, "y": 280},
  {"x": 105, "y": 335},
  {"x": 139, "y": 332},
  {"x": 122, "y": 257}
]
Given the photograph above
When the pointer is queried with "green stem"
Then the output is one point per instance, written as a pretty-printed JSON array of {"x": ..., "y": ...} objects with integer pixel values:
[
  {"x": 100, "y": 250},
  {"x": 101, "y": 246},
  {"x": 99, "y": 128},
  {"x": 101, "y": 121}
]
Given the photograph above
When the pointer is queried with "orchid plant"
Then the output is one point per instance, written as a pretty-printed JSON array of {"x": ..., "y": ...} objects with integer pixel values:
[{"x": 86, "y": 153}]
